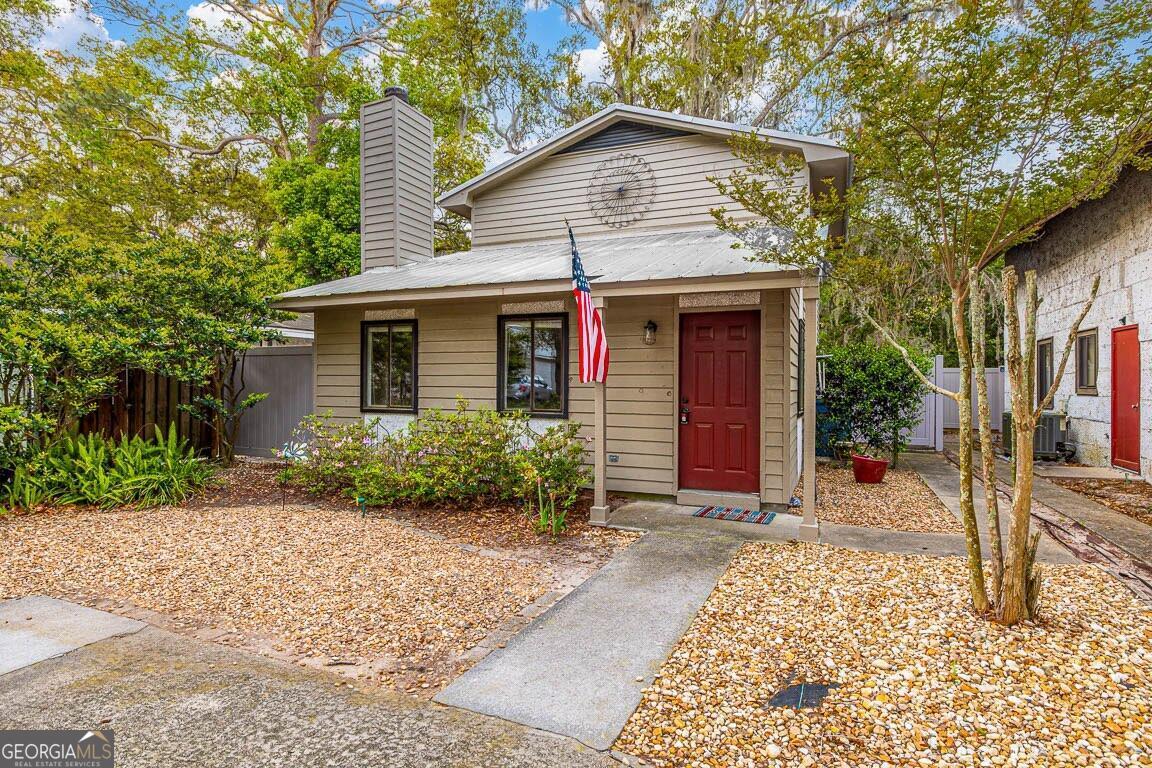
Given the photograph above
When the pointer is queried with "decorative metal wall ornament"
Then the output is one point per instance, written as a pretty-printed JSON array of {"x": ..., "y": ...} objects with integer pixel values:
[{"x": 621, "y": 190}]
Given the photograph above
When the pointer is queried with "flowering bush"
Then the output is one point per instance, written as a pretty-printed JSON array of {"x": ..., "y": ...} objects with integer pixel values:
[{"x": 324, "y": 455}]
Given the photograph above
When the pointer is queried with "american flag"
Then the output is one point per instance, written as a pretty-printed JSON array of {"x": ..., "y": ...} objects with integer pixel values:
[{"x": 593, "y": 341}]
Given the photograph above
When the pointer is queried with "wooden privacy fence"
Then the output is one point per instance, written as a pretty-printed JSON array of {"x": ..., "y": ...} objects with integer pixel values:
[
  {"x": 143, "y": 401},
  {"x": 285, "y": 373}
]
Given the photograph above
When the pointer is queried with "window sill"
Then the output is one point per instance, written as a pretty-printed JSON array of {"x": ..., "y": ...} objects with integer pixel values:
[
  {"x": 1093, "y": 392},
  {"x": 372, "y": 409},
  {"x": 532, "y": 415}
]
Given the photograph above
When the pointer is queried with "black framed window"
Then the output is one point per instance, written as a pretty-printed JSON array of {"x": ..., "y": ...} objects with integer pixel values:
[
  {"x": 532, "y": 364},
  {"x": 1045, "y": 370},
  {"x": 388, "y": 366},
  {"x": 1086, "y": 367}
]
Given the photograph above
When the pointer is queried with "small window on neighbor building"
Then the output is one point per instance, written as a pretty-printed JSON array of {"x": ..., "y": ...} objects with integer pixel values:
[
  {"x": 1044, "y": 369},
  {"x": 388, "y": 366},
  {"x": 531, "y": 375},
  {"x": 1086, "y": 367}
]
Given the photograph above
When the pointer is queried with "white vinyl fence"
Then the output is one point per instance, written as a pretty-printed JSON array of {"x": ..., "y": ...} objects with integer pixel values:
[{"x": 938, "y": 412}]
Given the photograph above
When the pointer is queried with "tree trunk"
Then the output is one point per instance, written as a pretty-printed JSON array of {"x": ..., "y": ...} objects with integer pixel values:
[
  {"x": 1021, "y": 584},
  {"x": 967, "y": 507},
  {"x": 977, "y": 306}
]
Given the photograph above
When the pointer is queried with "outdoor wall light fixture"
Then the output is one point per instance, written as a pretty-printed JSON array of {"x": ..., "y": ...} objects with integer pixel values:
[{"x": 650, "y": 333}]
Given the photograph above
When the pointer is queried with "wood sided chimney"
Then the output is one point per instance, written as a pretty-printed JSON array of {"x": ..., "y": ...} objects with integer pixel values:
[{"x": 396, "y": 192}]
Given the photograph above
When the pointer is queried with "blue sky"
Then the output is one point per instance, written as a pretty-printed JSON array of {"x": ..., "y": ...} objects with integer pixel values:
[{"x": 545, "y": 27}]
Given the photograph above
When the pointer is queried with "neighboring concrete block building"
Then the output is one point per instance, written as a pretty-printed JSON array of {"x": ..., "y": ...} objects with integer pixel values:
[{"x": 1106, "y": 392}]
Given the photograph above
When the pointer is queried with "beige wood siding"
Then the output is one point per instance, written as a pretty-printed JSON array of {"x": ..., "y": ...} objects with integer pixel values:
[
  {"x": 395, "y": 184},
  {"x": 534, "y": 204},
  {"x": 337, "y": 349},
  {"x": 640, "y": 398},
  {"x": 458, "y": 354},
  {"x": 795, "y": 314},
  {"x": 457, "y": 357},
  {"x": 775, "y": 398}
]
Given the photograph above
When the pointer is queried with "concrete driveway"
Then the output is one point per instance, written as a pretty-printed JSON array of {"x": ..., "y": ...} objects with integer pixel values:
[{"x": 175, "y": 701}]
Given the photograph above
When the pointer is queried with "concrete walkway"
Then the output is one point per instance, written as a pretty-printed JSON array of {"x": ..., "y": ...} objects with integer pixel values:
[
  {"x": 944, "y": 479},
  {"x": 175, "y": 701},
  {"x": 579, "y": 669},
  {"x": 34, "y": 629},
  {"x": 939, "y": 475}
]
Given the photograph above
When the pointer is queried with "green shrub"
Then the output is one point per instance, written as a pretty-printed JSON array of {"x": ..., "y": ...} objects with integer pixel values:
[
  {"x": 457, "y": 457},
  {"x": 462, "y": 456},
  {"x": 872, "y": 395},
  {"x": 552, "y": 472},
  {"x": 96, "y": 470},
  {"x": 447, "y": 457}
]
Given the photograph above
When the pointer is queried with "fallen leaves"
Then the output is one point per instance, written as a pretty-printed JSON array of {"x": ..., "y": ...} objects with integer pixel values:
[
  {"x": 1128, "y": 497},
  {"x": 921, "y": 681},
  {"x": 313, "y": 582}
]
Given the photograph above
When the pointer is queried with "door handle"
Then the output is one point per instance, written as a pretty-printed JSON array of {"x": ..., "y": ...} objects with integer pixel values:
[{"x": 684, "y": 415}]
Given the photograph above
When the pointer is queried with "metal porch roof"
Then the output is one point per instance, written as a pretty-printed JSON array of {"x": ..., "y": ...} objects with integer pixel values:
[{"x": 607, "y": 259}]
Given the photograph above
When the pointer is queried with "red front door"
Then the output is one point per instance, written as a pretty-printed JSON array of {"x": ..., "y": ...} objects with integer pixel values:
[
  {"x": 719, "y": 401},
  {"x": 1126, "y": 397}
]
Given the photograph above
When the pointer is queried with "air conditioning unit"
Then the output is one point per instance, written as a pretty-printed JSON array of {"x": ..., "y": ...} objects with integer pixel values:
[{"x": 1050, "y": 440}]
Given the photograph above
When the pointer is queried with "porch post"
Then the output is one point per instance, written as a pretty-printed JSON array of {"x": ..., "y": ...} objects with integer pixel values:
[
  {"x": 598, "y": 515},
  {"x": 810, "y": 526}
]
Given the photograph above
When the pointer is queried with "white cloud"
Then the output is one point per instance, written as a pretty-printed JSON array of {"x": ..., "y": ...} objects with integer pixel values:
[
  {"x": 498, "y": 155},
  {"x": 591, "y": 63},
  {"x": 72, "y": 24},
  {"x": 536, "y": 5},
  {"x": 219, "y": 22},
  {"x": 211, "y": 15}
]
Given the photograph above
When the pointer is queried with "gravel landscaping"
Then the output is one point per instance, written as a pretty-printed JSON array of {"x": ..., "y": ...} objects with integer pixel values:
[
  {"x": 309, "y": 580},
  {"x": 901, "y": 503},
  {"x": 921, "y": 681}
]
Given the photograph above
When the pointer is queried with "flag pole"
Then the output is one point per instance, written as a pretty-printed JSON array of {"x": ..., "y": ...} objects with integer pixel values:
[{"x": 598, "y": 514}]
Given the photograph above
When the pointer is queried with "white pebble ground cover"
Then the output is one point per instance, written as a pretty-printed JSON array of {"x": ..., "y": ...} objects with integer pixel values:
[{"x": 921, "y": 680}]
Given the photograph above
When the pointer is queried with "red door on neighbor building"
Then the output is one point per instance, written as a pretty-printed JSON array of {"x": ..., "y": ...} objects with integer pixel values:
[
  {"x": 1126, "y": 397},
  {"x": 719, "y": 407}
]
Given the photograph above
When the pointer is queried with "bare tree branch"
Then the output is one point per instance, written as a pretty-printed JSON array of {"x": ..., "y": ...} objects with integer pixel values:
[
  {"x": 221, "y": 145},
  {"x": 927, "y": 382},
  {"x": 1073, "y": 330}
]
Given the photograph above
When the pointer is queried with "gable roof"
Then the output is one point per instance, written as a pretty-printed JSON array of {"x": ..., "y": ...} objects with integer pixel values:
[{"x": 826, "y": 158}]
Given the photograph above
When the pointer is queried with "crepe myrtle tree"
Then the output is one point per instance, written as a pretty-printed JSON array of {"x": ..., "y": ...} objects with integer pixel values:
[{"x": 970, "y": 132}]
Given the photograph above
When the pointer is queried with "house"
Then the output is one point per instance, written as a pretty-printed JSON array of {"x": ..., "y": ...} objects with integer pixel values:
[
  {"x": 295, "y": 331},
  {"x": 1106, "y": 392},
  {"x": 709, "y": 381}
]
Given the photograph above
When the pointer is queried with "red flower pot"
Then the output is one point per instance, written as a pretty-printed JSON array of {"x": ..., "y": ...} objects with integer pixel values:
[{"x": 868, "y": 470}]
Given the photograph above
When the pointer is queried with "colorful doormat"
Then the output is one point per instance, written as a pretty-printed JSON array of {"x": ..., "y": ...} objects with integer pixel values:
[{"x": 735, "y": 514}]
